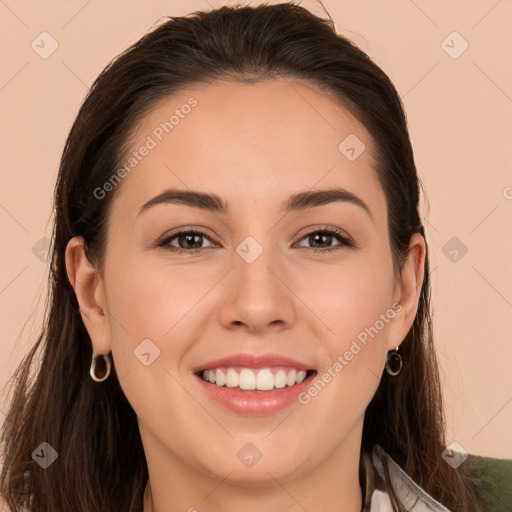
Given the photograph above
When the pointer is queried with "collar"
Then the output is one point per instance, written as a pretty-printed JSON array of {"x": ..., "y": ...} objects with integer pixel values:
[{"x": 408, "y": 491}]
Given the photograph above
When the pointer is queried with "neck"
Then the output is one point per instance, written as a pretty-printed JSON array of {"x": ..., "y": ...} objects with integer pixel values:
[
  {"x": 349, "y": 503},
  {"x": 331, "y": 486}
]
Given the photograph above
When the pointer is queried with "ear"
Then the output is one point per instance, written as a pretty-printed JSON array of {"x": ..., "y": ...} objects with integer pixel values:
[
  {"x": 407, "y": 291},
  {"x": 88, "y": 285}
]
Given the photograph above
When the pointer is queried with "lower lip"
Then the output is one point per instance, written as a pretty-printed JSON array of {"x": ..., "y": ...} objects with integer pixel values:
[{"x": 255, "y": 402}]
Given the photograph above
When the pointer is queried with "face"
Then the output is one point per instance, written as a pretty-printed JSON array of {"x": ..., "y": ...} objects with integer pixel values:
[{"x": 308, "y": 283}]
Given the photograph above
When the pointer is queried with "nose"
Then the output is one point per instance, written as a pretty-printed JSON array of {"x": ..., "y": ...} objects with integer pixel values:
[{"x": 258, "y": 295}]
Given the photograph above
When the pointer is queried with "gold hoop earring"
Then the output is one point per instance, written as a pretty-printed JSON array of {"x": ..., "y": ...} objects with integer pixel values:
[{"x": 92, "y": 370}]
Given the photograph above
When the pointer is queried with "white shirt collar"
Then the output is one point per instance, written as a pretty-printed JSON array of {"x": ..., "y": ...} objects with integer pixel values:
[{"x": 409, "y": 492}]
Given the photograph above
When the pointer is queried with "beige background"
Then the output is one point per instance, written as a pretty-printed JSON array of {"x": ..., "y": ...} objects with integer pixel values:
[{"x": 460, "y": 114}]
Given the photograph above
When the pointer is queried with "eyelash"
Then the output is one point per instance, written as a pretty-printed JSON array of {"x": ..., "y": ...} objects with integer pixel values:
[{"x": 345, "y": 242}]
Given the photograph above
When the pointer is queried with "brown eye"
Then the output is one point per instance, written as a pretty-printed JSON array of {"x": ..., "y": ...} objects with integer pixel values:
[
  {"x": 325, "y": 237},
  {"x": 185, "y": 241}
]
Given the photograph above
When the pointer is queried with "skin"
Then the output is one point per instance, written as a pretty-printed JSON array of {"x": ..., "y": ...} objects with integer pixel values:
[{"x": 253, "y": 145}]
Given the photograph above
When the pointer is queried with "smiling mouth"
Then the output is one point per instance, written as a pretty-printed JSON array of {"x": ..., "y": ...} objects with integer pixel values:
[{"x": 252, "y": 379}]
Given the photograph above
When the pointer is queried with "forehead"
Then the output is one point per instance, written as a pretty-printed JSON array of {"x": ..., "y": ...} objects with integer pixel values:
[{"x": 250, "y": 143}]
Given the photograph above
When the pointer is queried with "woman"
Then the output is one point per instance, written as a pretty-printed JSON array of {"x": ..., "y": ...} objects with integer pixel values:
[{"x": 239, "y": 311}]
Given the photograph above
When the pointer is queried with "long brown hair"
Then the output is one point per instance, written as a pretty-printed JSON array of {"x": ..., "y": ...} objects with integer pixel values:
[{"x": 101, "y": 464}]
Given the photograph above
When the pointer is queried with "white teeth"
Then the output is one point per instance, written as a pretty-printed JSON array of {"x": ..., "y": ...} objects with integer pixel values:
[
  {"x": 220, "y": 377},
  {"x": 231, "y": 378},
  {"x": 300, "y": 376},
  {"x": 247, "y": 380},
  {"x": 280, "y": 379},
  {"x": 264, "y": 379},
  {"x": 290, "y": 379}
]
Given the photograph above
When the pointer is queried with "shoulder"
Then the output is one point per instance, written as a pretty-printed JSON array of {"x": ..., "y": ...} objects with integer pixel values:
[{"x": 491, "y": 477}]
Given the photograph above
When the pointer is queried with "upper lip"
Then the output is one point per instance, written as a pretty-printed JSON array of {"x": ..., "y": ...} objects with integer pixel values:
[{"x": 246, "y": 360}]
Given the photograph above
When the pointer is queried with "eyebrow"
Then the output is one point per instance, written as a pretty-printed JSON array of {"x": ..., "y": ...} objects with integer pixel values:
[{"x": 296, "y": 202}]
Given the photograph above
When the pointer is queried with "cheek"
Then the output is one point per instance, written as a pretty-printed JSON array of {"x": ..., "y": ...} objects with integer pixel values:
[
  {"x": 152, "y": 314},
  {"x": 160, "y": 303},
  {"x": 351, "y": 298},
  {"x": 152, "y": 300},
  {"x": 358, "y": 309},
  {"x": 354, "y": 298}
]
